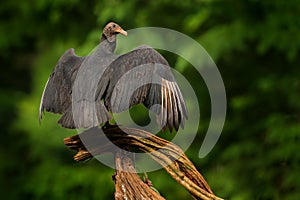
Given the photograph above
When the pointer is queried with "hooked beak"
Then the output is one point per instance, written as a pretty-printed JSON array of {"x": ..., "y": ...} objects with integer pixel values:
[{"x": 120, "y": 30}]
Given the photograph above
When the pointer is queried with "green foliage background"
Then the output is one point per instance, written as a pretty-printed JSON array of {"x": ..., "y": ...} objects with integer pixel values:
[{"x": 254, "y": 43}]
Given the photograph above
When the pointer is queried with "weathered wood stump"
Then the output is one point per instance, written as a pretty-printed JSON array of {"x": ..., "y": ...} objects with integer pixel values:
[{"x": 127, "y": 182}]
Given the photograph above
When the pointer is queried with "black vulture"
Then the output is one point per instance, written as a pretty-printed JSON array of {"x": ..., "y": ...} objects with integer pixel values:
[{"x": 139, "y": 76}]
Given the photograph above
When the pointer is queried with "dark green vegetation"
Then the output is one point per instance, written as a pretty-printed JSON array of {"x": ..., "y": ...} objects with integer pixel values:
[{"x": 255, "y": 45}]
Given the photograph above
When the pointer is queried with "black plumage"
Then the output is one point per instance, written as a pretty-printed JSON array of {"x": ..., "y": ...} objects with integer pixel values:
[
  {"x": 57, "y": 95},
  {"x": 139, "y": 76}
]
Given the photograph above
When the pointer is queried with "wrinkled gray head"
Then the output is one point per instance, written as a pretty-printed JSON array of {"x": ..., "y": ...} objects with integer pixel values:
[{"x": 111, "y": 30}]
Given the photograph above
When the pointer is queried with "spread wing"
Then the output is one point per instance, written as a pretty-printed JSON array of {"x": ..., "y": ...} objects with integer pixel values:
[
  {"x": 56, "y": 96},
  {"x": 143, "y": 76}
]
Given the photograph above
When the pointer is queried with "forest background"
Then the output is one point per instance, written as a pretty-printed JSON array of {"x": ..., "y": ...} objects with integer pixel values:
[{"x": 255, "y": 45}]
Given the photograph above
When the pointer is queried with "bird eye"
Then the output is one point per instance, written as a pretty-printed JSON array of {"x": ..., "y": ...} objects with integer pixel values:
[{"x": 114, "y": 26}]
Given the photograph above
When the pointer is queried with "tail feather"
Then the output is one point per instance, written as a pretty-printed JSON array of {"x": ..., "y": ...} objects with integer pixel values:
[{"x": 83, "y": 115}]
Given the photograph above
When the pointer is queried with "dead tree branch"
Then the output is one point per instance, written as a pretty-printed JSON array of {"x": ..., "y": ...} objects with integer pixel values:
[{"x": 167, "y": 154}]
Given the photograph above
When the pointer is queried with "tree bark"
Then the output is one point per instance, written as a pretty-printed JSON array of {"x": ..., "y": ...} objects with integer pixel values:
[
  {"x": 167, "y": 154},
  {"x": 128, "y": 184}
]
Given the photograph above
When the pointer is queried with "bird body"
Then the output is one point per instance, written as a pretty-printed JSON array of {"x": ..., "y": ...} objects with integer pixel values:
[{"x": 86, "y": 89}]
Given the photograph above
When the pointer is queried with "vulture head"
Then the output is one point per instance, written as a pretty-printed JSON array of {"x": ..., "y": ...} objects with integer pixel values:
[{"x": 110, "y": 31}]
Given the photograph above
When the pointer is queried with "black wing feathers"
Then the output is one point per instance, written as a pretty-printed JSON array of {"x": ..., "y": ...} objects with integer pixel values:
[
  {"x": 140, "y": 76},
  {"x": 56, "y": 96},
  {"x": 143, "y": 76}
]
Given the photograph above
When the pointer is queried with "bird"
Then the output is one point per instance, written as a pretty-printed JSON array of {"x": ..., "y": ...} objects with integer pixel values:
[{"x": 141, "y": 76}]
